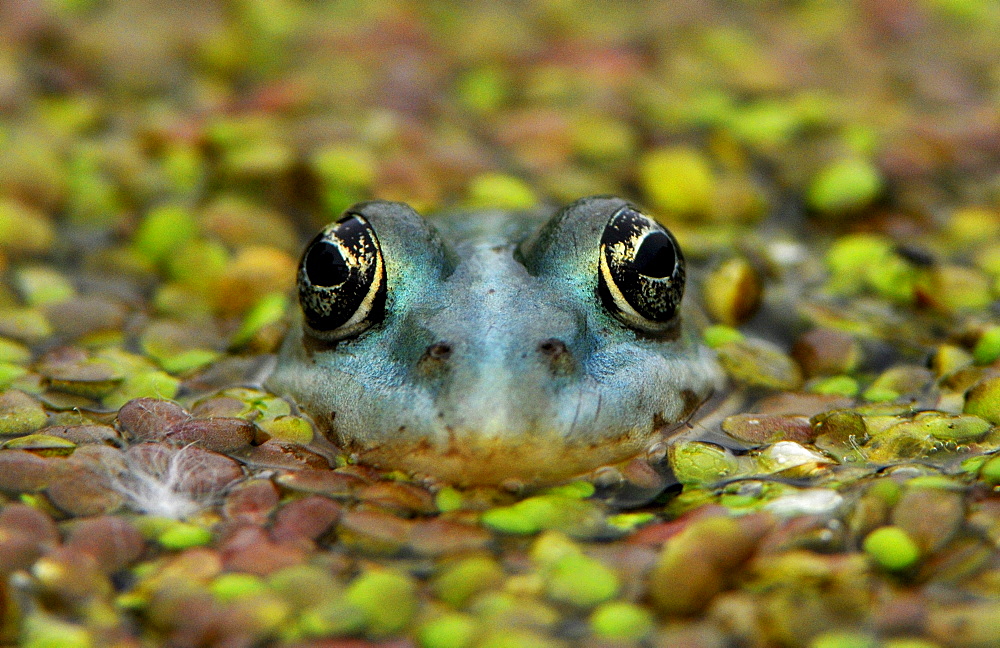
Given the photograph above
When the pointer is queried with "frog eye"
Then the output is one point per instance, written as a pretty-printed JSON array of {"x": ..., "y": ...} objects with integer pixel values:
[
  {"x": 342, "y": 280},
  {"x": 641, "y": 275}
]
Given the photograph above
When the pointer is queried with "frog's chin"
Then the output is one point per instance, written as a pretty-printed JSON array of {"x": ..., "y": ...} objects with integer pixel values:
[{"x": 472, "y": 460}]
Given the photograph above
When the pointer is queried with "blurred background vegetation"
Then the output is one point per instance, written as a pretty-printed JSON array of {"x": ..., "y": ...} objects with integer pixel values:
[
  {"x": 701, "y": 109},
  {"x": 162, "y": 162}
]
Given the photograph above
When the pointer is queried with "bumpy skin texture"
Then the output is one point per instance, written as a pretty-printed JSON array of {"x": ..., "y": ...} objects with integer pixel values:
[{"x": 496, "y": 359}]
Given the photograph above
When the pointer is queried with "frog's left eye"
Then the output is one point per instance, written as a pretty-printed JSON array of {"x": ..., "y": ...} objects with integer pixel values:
[
  {"x": 641, "y": 276},
  {"x": 342, "y": 280}
]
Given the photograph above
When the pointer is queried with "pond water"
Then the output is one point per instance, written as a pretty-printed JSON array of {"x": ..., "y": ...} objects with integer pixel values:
[{"x": 831, "y": 171}]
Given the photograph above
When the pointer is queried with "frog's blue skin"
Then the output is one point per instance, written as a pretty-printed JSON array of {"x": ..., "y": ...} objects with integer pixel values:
[{"x": 502, "y": 407}]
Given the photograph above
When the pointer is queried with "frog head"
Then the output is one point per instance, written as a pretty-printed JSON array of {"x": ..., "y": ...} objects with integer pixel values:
[{"x": 488, "y": 349}]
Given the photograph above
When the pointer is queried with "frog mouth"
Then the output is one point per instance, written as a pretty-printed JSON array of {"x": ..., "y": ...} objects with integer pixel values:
[
  {"x": 468, "y": 458},
  {"x": 472, "y": 456},
  {"x": 526, "y": 446}
]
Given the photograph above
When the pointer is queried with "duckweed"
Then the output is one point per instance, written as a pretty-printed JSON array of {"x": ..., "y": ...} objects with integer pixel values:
[
  {"x": 696, "y": 462},
  {"x": 843, "y": 640},
  {"x": 41, "y": 285},
  {"x": 24, "y": 230},
  {"x": 14, "y": 352},
  {"x": 758, "y": 363},
  {"x": 448, "y": 631},
  {"x": 458, "y": 582},
  {"x": 344, "y": 166},
  {"x": 371, "y": 592},
  {"x": 987, "y": 347},
  {"x": 28, "y": 325},
  {"x": 10, "y": 372},
  {"x": 517, "y": 639},
  {"x": 732, "y": 293},
  {"x": 49, "y": 632},
  {"x": 953, "y": 289},
  {"x": 720, "y": 335},
  {"x": 983, "y": 400},
  {"x": 230, "y": 587},
  {"x": 44, "y": 445},
  {"x": 836, "y": 385},
  {"x": 990, "y": 471},
  {"x": 164, "y": 230},
  {"x": 891, "y": 548},
  {"x": 502, "y": 191},
  {"x": 268, "y": 311},
  {"x": 332, "y": 618},
  {"x": 698, "y": 562},
  {"x": 842, "y": 243},
  {"x": 843, "y": 186},
  {"x": 677, "y": 181},
  {"x": 550, "y": 511},
  {"x": 580, "y": 580},
  {"x": 183, "y": 535},
  {"x": 621, "y": 620},
  {"x": 484, "y": 88},
  {"x": 20, "y": 413},
  {"x": 448, "y": 499},
  {"x": 870, "y": 262}
]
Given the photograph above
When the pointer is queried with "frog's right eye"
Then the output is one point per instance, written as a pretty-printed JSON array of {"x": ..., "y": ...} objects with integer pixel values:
[{"x": 342, "y": 280}]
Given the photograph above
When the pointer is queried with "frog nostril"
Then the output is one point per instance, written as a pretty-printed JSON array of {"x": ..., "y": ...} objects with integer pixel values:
[
  {"x": 559, "y": 358},
  {"x": 434, "y": 362},
  {"x": 552, "y": 347},
  {"x": 439, "y": 351}
]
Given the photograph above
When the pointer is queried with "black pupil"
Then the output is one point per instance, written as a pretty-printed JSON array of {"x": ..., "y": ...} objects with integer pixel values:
[
  {"x": 325, "y": 265},
  {"x": 655, "y": 257}
]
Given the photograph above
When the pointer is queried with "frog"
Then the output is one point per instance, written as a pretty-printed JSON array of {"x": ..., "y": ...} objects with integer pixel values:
[{"x": 494, "y": 346}]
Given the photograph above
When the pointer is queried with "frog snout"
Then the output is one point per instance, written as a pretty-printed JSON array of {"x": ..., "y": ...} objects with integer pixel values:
[{"x": 551, "y": 353}]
